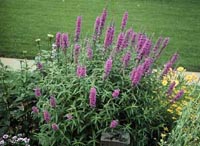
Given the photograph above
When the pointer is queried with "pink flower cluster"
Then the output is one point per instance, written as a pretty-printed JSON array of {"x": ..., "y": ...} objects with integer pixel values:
[
  {"x": 81, "y": 71},
  {"x": 114, "y": 123},
  {"x": 115, "y": 93},
  {"x": 92, "y": 97}
]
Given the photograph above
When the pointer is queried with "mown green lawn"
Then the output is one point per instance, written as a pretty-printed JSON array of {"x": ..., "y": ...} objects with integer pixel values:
[{"x": 23, "y": 21}]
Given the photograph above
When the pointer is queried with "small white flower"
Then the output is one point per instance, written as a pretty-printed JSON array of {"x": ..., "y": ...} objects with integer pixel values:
[
  {"x": 50, "y": 35},
  {"x": 5, "y": 136},
  {"x": 2, "y": 142},
  {"x": 37, "y": 40},
  {"x": 14, "y": 137}
]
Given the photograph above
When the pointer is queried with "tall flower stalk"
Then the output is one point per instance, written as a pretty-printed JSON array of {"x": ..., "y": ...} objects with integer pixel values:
[{"x": 78, "y": 29}]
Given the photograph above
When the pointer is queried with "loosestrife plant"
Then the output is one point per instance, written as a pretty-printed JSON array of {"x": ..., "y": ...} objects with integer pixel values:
[{"x": 102, "y": 85}]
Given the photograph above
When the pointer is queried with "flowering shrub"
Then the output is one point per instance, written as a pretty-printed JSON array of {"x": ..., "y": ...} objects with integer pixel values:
[
  {"x": 186, "y": 131},
  {"x": 89, "y": 87},
  {"x": 16, "y": 101},
  {"x": 178, "y": 83}
]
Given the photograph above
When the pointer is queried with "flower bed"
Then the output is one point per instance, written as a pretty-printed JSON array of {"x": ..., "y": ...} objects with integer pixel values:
[{"x": 88, "y": 87}]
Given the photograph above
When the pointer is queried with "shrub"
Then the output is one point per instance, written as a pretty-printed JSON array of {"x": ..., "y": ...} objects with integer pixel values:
[
  {"x": 186, "y": 131},
  {"x": 17, "y": 99},
  {"x": 88, "y": 87}
]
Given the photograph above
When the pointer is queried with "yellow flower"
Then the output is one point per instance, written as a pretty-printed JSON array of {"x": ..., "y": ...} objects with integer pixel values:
[
  {"x": 169, "y": 110},
  {"x": 166, "y": 129},
  {"x": 163, "y": 135},
  {"x": 180, "y": 69},
  {"x": 164, "y": 82}
]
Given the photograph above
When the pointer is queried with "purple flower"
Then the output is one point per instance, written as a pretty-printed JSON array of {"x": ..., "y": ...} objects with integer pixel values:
[
  {"x": 69, "y": 116},
  {"x": 39, "y": 66},
  {"x": 124, "y": 21},
  {"x": 145, "y": 50},
  {"x": 114, "y": 123},
  {"x": 89, "y": 51},
  {"x": 170, "y": 89},
  {"x": 81, "y": 71},
  {"x": 52, "y": 101},
  {"x": 133, "y": 39},
  {"x": 92, "y": 97},
  {"x": 76, "y": 52},
  {"x": 119, "y": 42},
  {"x": 136, "y": 75},
  {"x": 167, "y": 67},
  {"x": 78, "y": 28},
  {"x": 109, "y": 37},
  {"x": 107, "y": 67},
  {"x": 35, "y": 109},
  {"x": 96, "y": 28},
  {"x": 126, "y": 58},
  {"x": 178, "y": 95},
  {"x": 115, "y": 94},
  {"x": 174, "y": 58},
  {"x": 58, "y": 39},
  {"x": 165, "y": 42},
  {"x": 147, "y": 64},
  {"x": 37, "y": 92},
  {"x": 46, "y": 116},
  {"x": 65, "y": 41},
  {"x": 102, "y": 22},
  {"x": 127, "y": 37},
  {"x": 141, "y": 41},
  {"x": 157, "y": 45},
  {"x": 54, "y": 126},
  {"x": 77, "y": 49}
]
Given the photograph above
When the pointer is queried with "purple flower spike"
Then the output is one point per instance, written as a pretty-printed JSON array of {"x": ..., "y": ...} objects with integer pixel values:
[
  {"x": 167, "y": 67},
  {"x": 76, "y": 52},
  {"x": 52, "y": 101},
  {"x": 133, "y": 39},
  {"x": 37, "y": 92},
  {"x": 174, "y": 58},
  {"x": 157, "y": 45},
  {"x": 115, "y": 94},
  {"x": 126, "y": 59},
  {"x": 89, "y": 51},
  {"x": 165, "y": 43},
  {"x": 102, "y": 22},
  {"x": 147, "y": 64},
  {"x": 81, "y": 71},
  {"x": 78, "y": 28},
  {"x": 119, "y": 42},
  {"x": 136, "y": 75},
  {"x": 55, "y": 127},
  {"x": 46, "y": 116},
  {"x": 127, "y": 38},
  {"x": 114, "y": 123},
  {"x": 35, "y": 109},
  {"x": 124, "y": 21},
  {"x": 58, "y": 39},
  {"x": 107, "y": 67},
  {"x": 65, "y": 41},
  {"x": 96, "y": 28},
  {"x": 170, "y": 89},
  {"x": 178, "y": 95},
  {"x": 92, "y": 97}
]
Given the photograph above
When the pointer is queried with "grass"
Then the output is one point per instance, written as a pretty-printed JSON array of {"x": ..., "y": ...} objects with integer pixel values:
[{"x": 23, "y": 21}]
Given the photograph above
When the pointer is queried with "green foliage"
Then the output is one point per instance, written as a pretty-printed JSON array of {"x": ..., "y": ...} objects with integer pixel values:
[
  {"x": 138, "y": 108},
  {"x": 16, "y": 101},
  {"x": 187, "y": 129}
]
